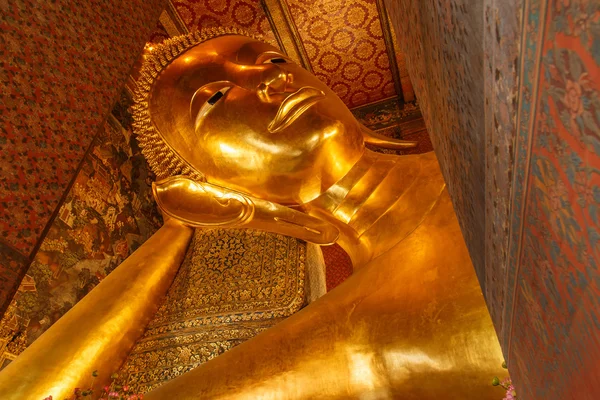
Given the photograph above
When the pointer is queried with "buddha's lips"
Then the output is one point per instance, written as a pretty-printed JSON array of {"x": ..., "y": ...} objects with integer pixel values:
[{"x": 293, "y": 106}]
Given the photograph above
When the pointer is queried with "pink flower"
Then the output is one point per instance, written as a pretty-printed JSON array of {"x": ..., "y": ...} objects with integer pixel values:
[
  {"x": 106, "y": 388},
  {"x": 126, "y": 388},
  {"x": 510, "y": 392},
  {"x": 113, "y": 394}
]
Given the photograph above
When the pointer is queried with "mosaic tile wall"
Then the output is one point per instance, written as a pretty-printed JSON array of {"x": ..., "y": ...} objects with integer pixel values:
[
  {"x": 108, "y": 213},
  {"x": 553, "y": 295},
  {"x": 232, "y": 285},
  {"x": 60, "y": 75}
]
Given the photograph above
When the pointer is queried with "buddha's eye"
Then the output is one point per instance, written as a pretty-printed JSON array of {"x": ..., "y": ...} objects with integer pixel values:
[
  {"x": 276, "y": 60},
  {"x": 217, "y": 96},
  {"x": 210, "y": 103}
]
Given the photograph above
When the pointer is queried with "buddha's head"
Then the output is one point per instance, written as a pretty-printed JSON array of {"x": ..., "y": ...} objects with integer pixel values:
[{"x": 239, "y": 113}]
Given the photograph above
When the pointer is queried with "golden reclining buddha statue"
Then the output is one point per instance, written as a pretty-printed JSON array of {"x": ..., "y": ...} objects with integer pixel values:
[{"x": 241, "y": 136}]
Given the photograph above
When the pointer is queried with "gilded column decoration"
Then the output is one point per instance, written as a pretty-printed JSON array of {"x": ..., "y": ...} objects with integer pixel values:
[
  {"x": 285, "y": 31},
  {"x": 232, "y": 285},
  {"x": 171, "y": 21}
]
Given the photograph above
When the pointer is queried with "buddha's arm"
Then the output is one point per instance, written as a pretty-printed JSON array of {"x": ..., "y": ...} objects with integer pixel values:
[
  {"x": 201, "y": 204},
  {"x": 379, "y": 140}
]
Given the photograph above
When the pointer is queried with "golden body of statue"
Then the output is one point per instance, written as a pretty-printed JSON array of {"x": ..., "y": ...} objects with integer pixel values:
[{"x": 241, "y": 136}]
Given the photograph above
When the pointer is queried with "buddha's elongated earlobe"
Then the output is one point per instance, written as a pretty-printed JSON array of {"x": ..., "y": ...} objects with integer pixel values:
[
  {"x": 201, "y": 204},
  {"x": 376, "y": 139}
]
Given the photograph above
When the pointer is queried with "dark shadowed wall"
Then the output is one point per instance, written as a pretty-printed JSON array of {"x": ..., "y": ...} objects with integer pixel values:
[
  {"x": 443, "y": 45},
  {"x": 62, "y": 66}
]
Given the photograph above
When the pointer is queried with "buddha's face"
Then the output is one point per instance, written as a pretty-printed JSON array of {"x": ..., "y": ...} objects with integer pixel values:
[{"x": 249, "y": 118}]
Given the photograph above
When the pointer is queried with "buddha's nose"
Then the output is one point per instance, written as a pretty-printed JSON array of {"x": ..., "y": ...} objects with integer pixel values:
[{"x": 274, "y": 80}]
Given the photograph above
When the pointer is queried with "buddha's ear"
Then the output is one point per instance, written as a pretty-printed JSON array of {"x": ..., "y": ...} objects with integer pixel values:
[
  {"x": 376, "y": 139},
  {"x": 201, "y": 204}
]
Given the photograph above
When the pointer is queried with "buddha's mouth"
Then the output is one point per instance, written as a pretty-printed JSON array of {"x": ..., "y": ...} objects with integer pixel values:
[{"x": 293, "y": 106}]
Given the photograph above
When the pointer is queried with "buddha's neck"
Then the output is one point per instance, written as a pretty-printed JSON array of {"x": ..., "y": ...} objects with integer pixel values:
[{"x": 380, "y": 199}]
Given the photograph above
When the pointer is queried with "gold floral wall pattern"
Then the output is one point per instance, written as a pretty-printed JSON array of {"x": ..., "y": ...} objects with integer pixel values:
[{"x": 232, "y": 285}]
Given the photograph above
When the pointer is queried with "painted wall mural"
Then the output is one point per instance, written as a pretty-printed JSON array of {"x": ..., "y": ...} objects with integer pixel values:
[
  {"x": 548, "y": 248},
  {"x": 502, "y": 44},
  {"x": 553, "y": 298},
  {"x": 400, "y": 121},
  {"x": 108, "y": 213}
]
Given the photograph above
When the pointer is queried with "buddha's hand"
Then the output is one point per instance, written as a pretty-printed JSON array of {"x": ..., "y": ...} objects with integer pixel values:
[{"x": 201, "y": 204}]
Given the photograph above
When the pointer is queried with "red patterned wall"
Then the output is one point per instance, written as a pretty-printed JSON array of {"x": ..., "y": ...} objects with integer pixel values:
[
  {"x": 552, "y": 311},
  {"x": 63, "y": 64},
  {"x": 338, "y": 266}
]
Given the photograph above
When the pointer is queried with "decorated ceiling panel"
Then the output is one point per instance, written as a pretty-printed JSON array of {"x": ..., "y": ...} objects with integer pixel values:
[
  {"x": 344, "y": 42},
  {"x": 245, "y": 14}
]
